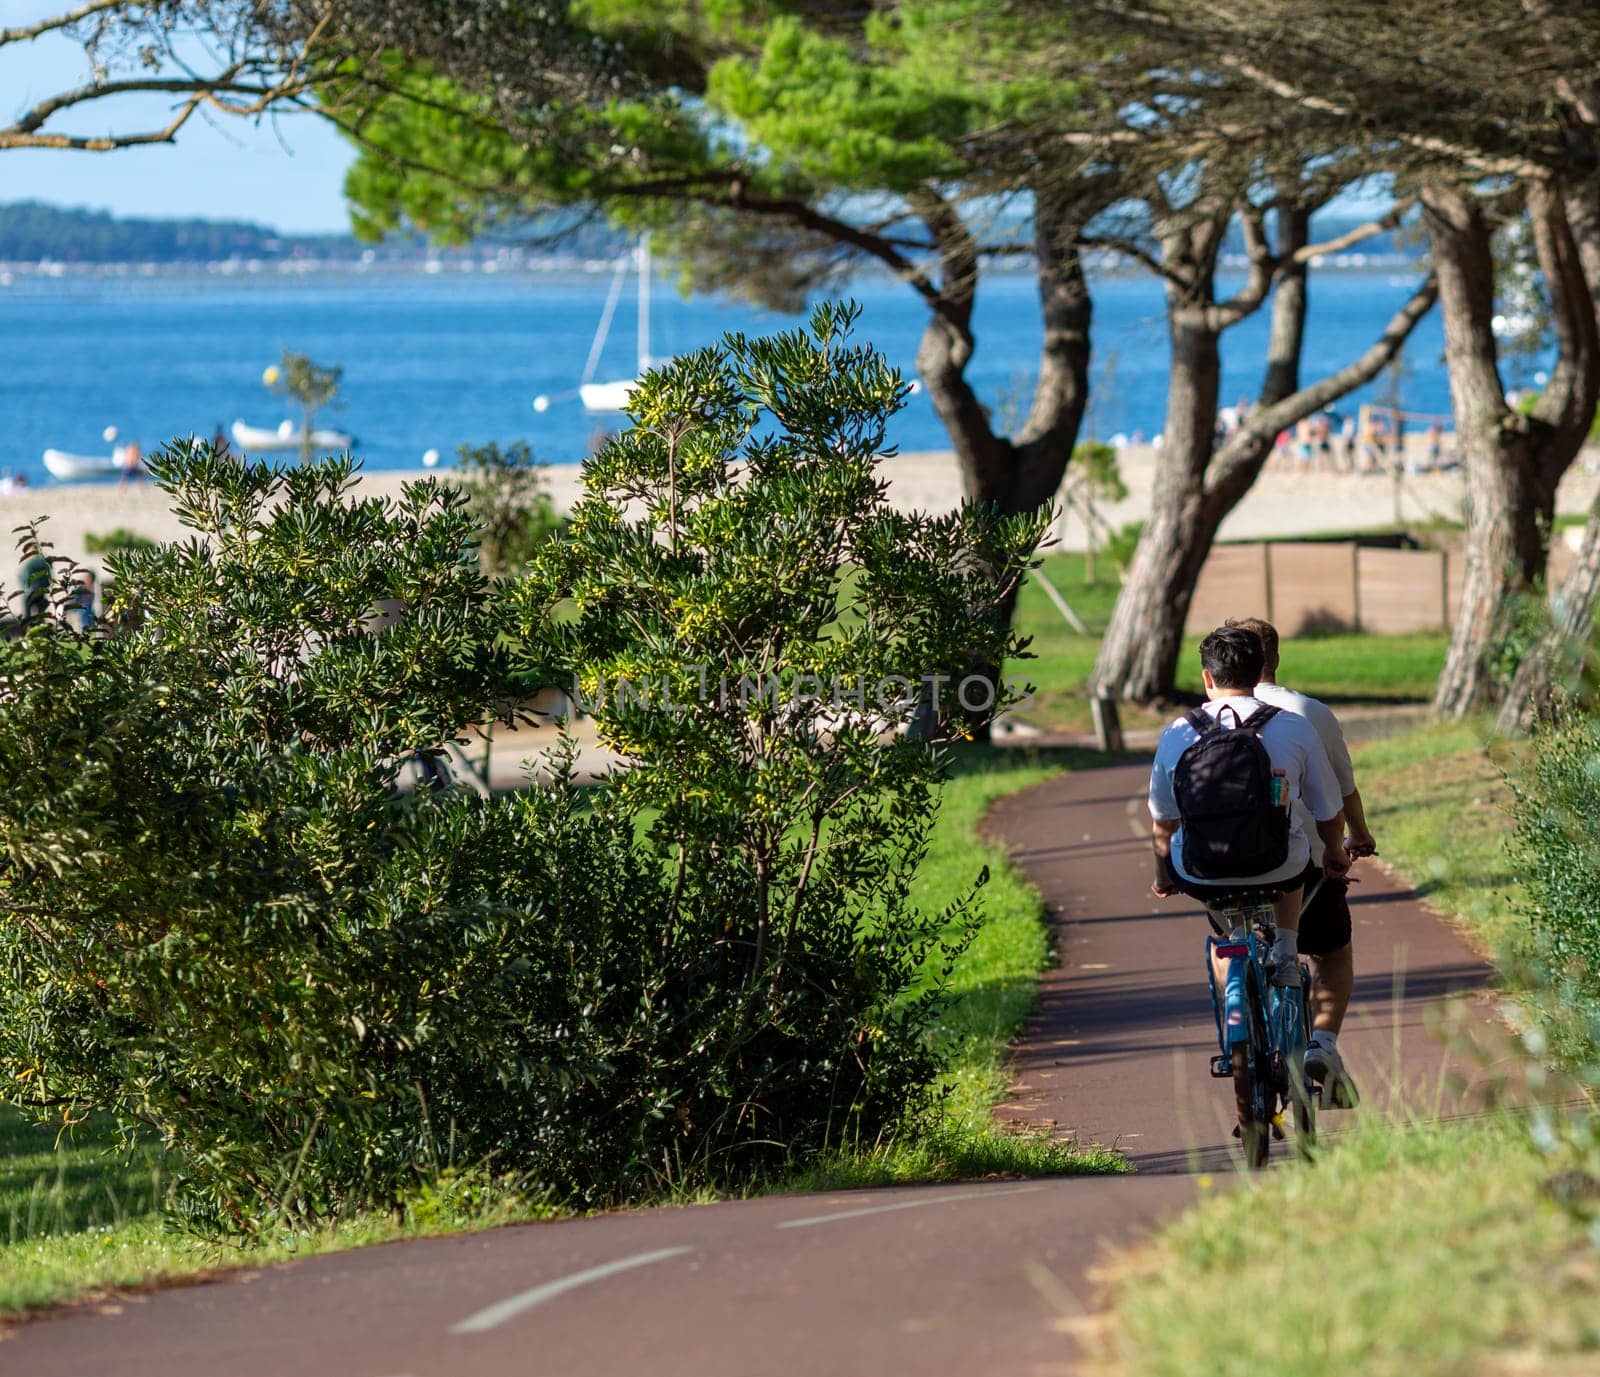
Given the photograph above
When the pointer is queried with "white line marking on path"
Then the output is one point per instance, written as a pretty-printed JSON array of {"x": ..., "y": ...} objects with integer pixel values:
[
  {"x": 513, "y": 1306},
  {"x": 904, "y": 1205}
]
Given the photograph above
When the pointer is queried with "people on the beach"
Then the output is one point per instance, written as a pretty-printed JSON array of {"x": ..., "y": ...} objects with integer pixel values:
[{"x": 130, "y": 460}]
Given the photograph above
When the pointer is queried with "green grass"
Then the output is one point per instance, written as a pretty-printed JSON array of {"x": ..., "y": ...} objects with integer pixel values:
[
  {"x": 81, "y": 1217},
  {"x": 47, "y": 1187},
  {"x": 1418, "y": 1248},
  {"x": 1339, "y": 668},
  {"x": 1437, "y": 804},
  {"x": 1409, "y": 1251},
  {"x": 75, "y": 1217}
]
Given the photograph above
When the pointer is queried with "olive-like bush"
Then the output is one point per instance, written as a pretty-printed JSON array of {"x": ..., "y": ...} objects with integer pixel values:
[{"x": 224, "y": 919}]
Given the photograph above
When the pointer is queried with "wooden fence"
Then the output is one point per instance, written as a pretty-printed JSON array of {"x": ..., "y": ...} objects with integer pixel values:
[{"x": 1305, "y": 586}]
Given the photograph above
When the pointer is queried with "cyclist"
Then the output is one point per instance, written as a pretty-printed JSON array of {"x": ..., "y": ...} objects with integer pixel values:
[
  {"x": 1231, "y": 662},
  {"x": 1325, "y": 916}
]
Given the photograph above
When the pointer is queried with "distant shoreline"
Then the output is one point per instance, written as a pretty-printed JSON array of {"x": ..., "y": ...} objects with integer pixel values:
[
  {"x": 1283, "y": 502},
  {"x": 560, "y": 270}
]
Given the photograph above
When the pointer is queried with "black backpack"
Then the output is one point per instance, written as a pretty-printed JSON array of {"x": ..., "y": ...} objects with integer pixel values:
[{"x": 1223, "y": 782}]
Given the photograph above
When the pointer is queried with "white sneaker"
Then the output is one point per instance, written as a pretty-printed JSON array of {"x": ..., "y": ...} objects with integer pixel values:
[{"x": 1325, "y": 1065}]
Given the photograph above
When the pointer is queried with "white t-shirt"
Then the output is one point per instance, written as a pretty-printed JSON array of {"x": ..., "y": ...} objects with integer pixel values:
[
  {"x": 1330, "y": 733},
  {"x": 1292, "y": 747}
]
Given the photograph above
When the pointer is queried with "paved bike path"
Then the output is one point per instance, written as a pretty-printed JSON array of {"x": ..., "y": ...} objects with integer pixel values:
[
  {"x": 976, "y": 1277},
  {"x": 1118, "y": 1045}
]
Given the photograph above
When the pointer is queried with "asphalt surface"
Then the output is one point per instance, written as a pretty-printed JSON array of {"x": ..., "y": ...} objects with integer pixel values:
[
  {"x": 987, "y": 1277},
  {"x": 1118, "y": 1046}
]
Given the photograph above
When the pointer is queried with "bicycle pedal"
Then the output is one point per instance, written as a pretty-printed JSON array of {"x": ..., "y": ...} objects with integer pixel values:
[{"x": 1222, "y": 1067}]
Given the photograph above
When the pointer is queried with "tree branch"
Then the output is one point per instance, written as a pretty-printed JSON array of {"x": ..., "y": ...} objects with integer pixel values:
[
  {"x": 1139, "y": 255},
  {"x": 808, "y": 217},
  {"x": 1263, "y": 269},
  {"x": 1231, "y": 60},
  {"x": 1237, "y": 462},
  {"x": 31, "y": 121},
  {"x": 1360, "y": 234},
  {"x": 56, "y": 22}
]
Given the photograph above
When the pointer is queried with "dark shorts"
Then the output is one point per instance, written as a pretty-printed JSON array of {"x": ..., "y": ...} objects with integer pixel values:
[{"x": 1325, "y": 921}]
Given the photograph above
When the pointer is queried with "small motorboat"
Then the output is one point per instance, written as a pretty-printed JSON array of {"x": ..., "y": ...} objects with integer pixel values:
[
  {"x": 77, "y": 468},
  {"x": 285, "y": 439}
]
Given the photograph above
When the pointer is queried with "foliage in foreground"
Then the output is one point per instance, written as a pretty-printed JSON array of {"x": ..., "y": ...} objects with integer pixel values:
[
  {"x": 1558, "y": 853},
  {"x": 225, "y": 923},
  {"x": 1415, "y": 1251},
  {"x": 751, "y": 624},
  {"x": 1558, "y": 862},
  {"x": 77, "y": 1217}
]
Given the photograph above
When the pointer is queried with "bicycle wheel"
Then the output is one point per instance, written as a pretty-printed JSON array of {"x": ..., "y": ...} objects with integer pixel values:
[{"x": 1253, "y": 1094}]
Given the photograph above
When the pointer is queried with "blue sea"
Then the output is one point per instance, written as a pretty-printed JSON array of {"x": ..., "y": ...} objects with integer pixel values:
[{"x": 435, "y": 361}]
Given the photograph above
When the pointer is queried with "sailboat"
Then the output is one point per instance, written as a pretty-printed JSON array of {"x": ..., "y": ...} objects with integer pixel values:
[{"x": 613, "y": 396}]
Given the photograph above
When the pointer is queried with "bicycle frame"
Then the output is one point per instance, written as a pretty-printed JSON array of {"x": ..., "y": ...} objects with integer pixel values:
[
  {"x": 1284, "y": 1010},
  {"x": 1244, "y": 965}
]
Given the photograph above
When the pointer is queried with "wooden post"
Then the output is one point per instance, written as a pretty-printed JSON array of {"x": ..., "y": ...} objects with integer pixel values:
[
  {"x": 1355, "y": 588},
  {"x": 1107, "y": 724}
]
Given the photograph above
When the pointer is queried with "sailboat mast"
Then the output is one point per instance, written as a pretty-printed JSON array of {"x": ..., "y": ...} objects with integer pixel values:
[{"x": 644, "y": 302}]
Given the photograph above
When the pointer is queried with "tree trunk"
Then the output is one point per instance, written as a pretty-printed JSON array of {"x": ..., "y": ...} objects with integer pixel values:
[
  {"x": 1545, "y": 675},
  {"x": 1139, "y": 654},
  {"x": 1514, "y": 463},
  {"x": 1021, "y": 474},
  {"x": 1196, "y": 489}
]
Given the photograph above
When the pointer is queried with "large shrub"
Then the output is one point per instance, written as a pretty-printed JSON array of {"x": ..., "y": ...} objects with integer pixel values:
[
  {"x": 754, "y": 627},
  {"x": 1556, "y": 855},
  {"x": 222, "y": 918},
  {"x": 1557, "y": 847}
]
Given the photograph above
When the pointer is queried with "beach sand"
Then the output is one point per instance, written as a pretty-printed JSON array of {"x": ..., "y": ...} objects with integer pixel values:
[{"x": 1282, "y": 503}]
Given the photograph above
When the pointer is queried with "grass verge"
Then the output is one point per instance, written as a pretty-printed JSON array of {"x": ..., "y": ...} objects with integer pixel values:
[
  {"x": 1438, "y": 804},
  {"x": 78, "y": 1217},
  {"x": 1411, "y": 1248},
  {"x": 1410, "y": 1251},
  {"x": 1338, "y": 668}
]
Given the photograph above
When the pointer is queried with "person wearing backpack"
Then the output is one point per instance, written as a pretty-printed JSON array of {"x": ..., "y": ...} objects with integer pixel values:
[
  {"x": 1222, "y": 787},
  {"x": 1325, "y": 926}
]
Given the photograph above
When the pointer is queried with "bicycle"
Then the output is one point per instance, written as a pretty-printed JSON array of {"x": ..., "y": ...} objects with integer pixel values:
[{"x": 1262, "y": 1028}]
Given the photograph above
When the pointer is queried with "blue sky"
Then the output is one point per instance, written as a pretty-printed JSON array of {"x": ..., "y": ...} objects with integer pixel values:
[{"x": 285, "y": 172}]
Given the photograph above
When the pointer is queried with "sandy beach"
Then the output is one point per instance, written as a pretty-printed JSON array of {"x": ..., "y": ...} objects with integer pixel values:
[{"x": 1282, "y": 503}]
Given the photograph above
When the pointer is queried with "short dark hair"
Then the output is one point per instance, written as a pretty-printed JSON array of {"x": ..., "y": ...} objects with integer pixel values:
[
  {"x": 1265, "y": 632},
  {"x": 1232, "y": 657}
]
